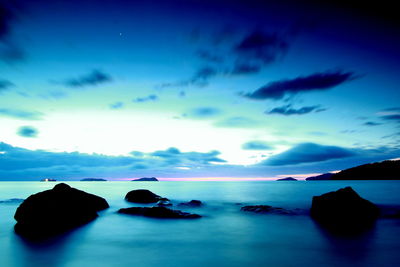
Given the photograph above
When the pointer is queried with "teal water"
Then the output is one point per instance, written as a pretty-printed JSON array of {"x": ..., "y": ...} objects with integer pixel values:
[{"x": 225, "y": 236}]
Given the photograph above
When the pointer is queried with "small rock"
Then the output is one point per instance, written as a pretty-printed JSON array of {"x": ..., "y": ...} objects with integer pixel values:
[
  {"x": 192, "y": 203},
  {"x": 142, "y": 196},
  {"x": 159, "y": 212},
  {"x": 266, "y": 209}
]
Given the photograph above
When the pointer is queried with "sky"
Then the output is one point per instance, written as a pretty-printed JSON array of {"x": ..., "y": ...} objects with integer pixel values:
[{"x": 196, "y": 89}]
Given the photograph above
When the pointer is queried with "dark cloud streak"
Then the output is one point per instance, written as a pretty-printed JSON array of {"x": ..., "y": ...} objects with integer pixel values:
[{"x": 315, "y": 82}]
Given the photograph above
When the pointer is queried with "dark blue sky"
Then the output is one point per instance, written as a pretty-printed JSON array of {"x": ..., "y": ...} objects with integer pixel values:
[{"x": 172, "y": 89}]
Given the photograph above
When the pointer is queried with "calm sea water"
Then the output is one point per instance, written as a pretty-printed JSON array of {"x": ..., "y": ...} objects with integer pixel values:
[{"x": 225, "y": 236}]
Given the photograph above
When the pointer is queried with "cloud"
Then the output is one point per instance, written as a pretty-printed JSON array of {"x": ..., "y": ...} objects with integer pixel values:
[
  {"x": 94, "y": 78},
  {"x": 21, "y": 114},
  {"x": 256, "y": 145},
  {"x": 392, "y": 109},
  {"x": 27, "y": 131},
  {"x": 391, "y": 117},
  {"x": 174, "y": 156},
  {"x": 245, "y": 68},
  {"x": 262, "y": 46},
  {"x": 209, "y": 56},
  {"x": 117, "y": 105},
  {"x": 203, "y": 112},
  {"x": 287, "y": 110},
  {"x": 371, "y": 123},
  {"x": 5, "y": 85},
  {"x": 308, "y": 153},
  {"x": 145, "y": 99},
  {"x": 199, "y": 79},
  {"x": 238, "y": 122},
  {"x": 9, "y": 14},
  {"x": 315, "y": 82}
]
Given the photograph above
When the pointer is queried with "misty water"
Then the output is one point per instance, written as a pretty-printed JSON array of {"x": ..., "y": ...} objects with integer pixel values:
[{"x": 225, "y": 236}]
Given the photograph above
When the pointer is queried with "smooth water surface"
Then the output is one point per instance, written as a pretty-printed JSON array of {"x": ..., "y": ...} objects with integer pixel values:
[{"x": 225, "y": 236}]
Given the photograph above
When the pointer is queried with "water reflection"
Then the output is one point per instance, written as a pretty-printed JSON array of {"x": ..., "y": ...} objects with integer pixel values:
[{"x": 51, "y": 252}]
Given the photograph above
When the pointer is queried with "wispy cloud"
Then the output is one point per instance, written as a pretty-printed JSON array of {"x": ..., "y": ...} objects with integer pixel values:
[
  {"x": 308, "y": 153},
  {"x": 371, "y": 123},
  {"x": 203, "y": 113},
  {"x": 238, "y": 122},
  {"x": 9, "y": 13},
  {"x": 262, "y": 46},
  {"x": 27, "y": 131},
  {"x": 315, "y": 82},
  {"x": 94, "y": 78},
  {"x": 117, "y": 105},
  {"x": 21, "y": 114},
  {"x": 5, "y": 85},
  {"x": 257, "y": 145},
  {"x": 145, "y": 99},
  {"x": 288, "y": 110}
]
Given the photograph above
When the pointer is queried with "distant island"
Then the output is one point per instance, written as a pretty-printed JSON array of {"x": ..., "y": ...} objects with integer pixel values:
[
  {"x": 287, "y": 179},
  {"x": 93, "y": 180},
  {"x": 48, "y": 180},
  {"x": 385, "y": 170},
  {"x": 325, "y": 176},
  {"x": 146, "y": 179}
]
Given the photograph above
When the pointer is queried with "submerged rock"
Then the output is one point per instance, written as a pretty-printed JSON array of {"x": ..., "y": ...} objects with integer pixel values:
[
  {"x": 159, "y": 212},
  {"x": 192, "y": 203},
  {"x": 164, "y": 202},
  {"x": 55, "y": 211},
  {"x": 344, "y": 211},
  {"x": 266, "y": 209},
  {"x": 142, "y": 196}
]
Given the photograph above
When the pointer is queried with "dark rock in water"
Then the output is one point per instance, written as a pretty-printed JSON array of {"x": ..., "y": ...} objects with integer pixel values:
[
  {"x": 55, "y": 211},
  {"x": 146, "y": 179},
  {"x": 93, "y": 180},
  {"x": 344, "y": 211},
  {"x": 164, "y": 202},
  {"x": 142, "y": 196},
  {"x": 322, "y": 177},
  {"x": 192, "y": 203},
  {"x": 266, "y": 209},
  {"x": 385, "y": 170},
  {"x": 287, "y": 179},
  {"x": 159, "y": 212}
]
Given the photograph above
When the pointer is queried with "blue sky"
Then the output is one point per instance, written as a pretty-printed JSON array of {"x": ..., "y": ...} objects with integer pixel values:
[{"x": 121, "y": 89}]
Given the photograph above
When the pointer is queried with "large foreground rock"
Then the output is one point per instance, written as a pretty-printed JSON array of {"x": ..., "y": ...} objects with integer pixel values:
[
  {"x": 55, "y": 211},
  {"x": 344, "y": 211},
  {"x": 159, "y": 212},
  {"x": 142, "y": 196}
]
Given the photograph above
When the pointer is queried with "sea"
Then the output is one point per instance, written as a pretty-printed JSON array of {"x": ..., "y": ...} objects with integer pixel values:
[{"x": 224, "y": 236}]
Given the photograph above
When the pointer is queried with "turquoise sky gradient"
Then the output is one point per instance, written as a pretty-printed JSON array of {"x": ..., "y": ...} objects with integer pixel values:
[{"x": 101, "y": 80}]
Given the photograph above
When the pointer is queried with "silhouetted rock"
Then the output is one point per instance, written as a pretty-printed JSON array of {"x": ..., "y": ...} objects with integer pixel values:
[
  {"x": 142, "y": 196},
  {"x": 164, "y": 202},
  {"x": 344, "y": 211},
  {"x": 266, "y": 209},
  {"x": 159, "y": 212},
  {"x": 192, "y": 203},
  {"x": 322, "y": 177},
  {"x": 93, "y": 180},
  {"x": 55, "y": 211},
  {"x": 146, "y": 179},
  {"x": 385, "y": 170},
  {"x": 287, "y": 179}
]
